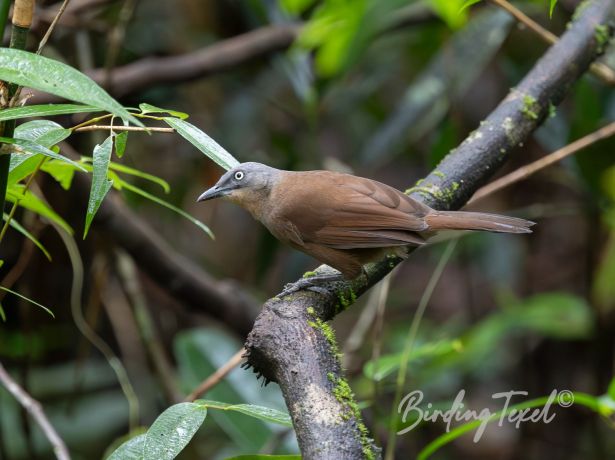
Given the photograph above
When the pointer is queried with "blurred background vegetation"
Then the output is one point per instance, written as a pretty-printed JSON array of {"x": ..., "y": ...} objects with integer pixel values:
[{"x": 382, "y": 89}]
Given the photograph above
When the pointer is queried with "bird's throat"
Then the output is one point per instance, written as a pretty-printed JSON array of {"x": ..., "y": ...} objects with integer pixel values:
[{"x": 251, "y": 200}]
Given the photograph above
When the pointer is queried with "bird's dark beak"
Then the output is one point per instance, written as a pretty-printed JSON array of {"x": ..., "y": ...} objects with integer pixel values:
[{"x": 215, "y": 192}]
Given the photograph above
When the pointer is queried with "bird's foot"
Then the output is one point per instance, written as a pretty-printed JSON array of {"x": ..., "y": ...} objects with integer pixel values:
[{"x": 312, "y": 283}]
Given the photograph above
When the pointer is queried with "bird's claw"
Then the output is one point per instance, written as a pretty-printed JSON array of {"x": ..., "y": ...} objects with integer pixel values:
[{"x": 309, "y": 284}]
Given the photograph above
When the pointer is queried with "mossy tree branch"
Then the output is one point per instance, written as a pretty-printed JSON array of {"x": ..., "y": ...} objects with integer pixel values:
[{"x": 291, "y": 343}]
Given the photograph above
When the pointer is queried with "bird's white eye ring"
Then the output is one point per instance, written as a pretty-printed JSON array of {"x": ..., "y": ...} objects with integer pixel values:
[{"x": 239, "y": 175}]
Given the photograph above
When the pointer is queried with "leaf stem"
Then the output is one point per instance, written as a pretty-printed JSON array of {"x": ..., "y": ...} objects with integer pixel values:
[
  {"x": 80, "y": 126},
  {"x": 123, "y": 128}
]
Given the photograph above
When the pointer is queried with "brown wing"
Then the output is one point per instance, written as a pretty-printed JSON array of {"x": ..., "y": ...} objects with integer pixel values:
[{"x": 347, "y": 212}]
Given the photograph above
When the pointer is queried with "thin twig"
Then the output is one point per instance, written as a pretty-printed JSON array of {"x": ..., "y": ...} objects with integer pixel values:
[
  {"x": 602, "y": 71},
  {"x": 526, "y": 171},
  {"x": 217, "y": 376},
  {"x": 51, "y": 27},
  {"x": 124, "y": 128},
  {"x": 36, "y": 411}
]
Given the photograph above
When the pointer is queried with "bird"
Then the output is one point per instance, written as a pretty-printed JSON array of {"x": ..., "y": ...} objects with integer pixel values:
[{"x": 342, "y": 220}]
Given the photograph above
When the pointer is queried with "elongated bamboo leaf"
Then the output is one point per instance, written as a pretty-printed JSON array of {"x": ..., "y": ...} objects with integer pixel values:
[
  {"x": 33, "y": 147},
  {"x": 147, "y": 108},
  {"x": 202, "y": 142},
  {"x": 166, "y": 204},
  {"x": 130, "y": 450},
  {"x": 120, "y": 143},
  {"x": 136, "y": 173},
  {"x": 260, "y": 412},
  {"x": 45, "y": 110},
  {"x": 21, "y": 296},
  {"x": 29, "y": 200},
  {"x": 17, "y": 226},
  {"x": 100, "y": 183},
  {"x": 44, "y": 74}
]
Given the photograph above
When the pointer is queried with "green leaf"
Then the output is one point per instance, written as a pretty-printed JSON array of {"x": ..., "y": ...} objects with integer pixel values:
[
  {"x": 335, "y": 30},
  {"x": 203, "y": 142},
  {"x": 603, "y": 288},
  {"x": 147, "y": 108},
  {"x": 22, "y": 166},
  {"x": 172, "y": 431},
  {"x": 17, "y": 226},
  {"x": 266, "y": 414},
  {"x": 552, "y": 7},
  {"x": 50, "y": 76},
  {"x": 608, "y": 182},
  {"x": 120, "y": 143},
  {"x": 468, "y": 4},
  {"x": 45, "y": 132},
  {"x": 27, "y": 300},
  {"x": 29, "y": 200},
  {"x": 62, "y": 172},
  {"x": 35, "y": 148},
  {"x": 2, "y": 314},
  {"x": 296, "y": 6},
  {"x": 453, "y": 12},
  {"x": 555, "y": 314},
  {"x": 611, "y": 390},
  {"x": 166, "y": 204},
  {"x": 141, "y": 174},
  {"x": 45, "y": 110},
  {"x": 199, "y": 352},
  {"x": 133, "y": 172},
  {"x": 262, "y": 413},
  {"x": 100, "y": 184},
  {"x": 387, "y": 364},
  {"x": 130, "y": 450}
]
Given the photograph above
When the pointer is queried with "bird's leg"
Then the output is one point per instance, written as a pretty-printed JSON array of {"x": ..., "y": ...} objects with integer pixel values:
[{"x": 312, "y": 283}]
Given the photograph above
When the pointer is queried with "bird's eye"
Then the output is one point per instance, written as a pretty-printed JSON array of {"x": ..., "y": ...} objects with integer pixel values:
[{"x": 239, "y": 175}]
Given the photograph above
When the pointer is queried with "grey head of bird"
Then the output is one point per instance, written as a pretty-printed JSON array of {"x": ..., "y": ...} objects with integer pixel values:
[{"x": 247, "y": 184}]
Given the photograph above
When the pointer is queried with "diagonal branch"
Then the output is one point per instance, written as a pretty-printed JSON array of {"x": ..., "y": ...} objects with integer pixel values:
[
  {"x": 212, "y": 59},
  {"x": 290, "y": 342},
  {"x": 527, "y": 170}
]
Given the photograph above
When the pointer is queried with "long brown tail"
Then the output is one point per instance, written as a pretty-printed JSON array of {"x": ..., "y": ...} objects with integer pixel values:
[{"x": 462, "y": 220}]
